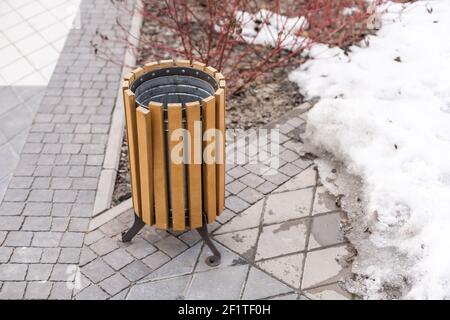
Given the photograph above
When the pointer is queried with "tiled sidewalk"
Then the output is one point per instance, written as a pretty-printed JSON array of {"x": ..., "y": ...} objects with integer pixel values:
[
  {"x": 47, "y": 207},
  {"x": 279, "y": 236},
  {"x": 32, "y": 35}
]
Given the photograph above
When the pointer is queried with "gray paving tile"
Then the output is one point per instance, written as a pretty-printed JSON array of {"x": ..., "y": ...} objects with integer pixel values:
[
  {"x": 284, "y": 238},
  {"x": 169, "y": 289},
  {"x": 288, "y": 269},
  {"x": 218, "y": 284},
  {"x": 260, "y": 285}
]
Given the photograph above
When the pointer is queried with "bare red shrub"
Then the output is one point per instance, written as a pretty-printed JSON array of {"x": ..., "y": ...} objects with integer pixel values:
[{"x": 211, "y": 31}]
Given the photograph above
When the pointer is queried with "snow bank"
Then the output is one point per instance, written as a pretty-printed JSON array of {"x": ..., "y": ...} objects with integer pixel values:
[{"x": 384, "y": 120}]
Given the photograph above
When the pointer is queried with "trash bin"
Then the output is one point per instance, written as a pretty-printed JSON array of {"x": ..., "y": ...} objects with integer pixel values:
[{"x": 175, "y": 119}]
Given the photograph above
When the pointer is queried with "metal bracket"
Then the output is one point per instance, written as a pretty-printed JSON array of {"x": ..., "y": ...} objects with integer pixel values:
[
  {"x": 213, "y": 260},
  {"x": 138, "y": 224}
]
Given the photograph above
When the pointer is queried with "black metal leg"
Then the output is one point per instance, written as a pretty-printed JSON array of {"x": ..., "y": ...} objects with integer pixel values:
[
  {"x": 137, "y": 226},
  {"x": 213, "y": 260}
]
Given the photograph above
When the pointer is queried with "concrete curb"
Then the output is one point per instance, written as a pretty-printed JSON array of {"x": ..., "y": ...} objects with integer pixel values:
[{"x": 108, "y": 174}]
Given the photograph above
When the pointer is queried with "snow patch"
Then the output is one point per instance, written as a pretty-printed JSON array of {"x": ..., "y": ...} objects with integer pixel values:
[{"x": 383, "y": 122}]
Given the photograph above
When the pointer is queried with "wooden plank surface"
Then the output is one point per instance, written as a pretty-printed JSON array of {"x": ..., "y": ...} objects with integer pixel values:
[
  {"x": 176, "y": 152},
  {"x": 130, "y": 114},
  {"x": 193, "y": 125},
  {"x": 159, "y": 166},
  {"x": 209, "y": 166},
  {"x": 220, "y": 149},
  {"x": 144, "y": 133}
]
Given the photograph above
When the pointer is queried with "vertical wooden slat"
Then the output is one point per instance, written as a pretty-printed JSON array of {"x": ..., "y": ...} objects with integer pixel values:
[
  {"x": 159, "y": 166},
  {"x": 130, "y": 114},
  {"x": 220, "y": 150},
  {"x": 144, "y": 133},
  {"x": 182, "y": 63},
  {"x": 209, "y": 169},
  {"x": 195, "y": 164},
  {"x": 176, "y": 166}
]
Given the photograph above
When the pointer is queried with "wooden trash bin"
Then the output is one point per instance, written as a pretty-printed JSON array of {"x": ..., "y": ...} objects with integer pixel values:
[{"x": 175, "y": 119}]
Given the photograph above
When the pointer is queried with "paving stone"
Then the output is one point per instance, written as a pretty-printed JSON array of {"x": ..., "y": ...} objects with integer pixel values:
[
  {"x": 69, "y": 255},
  {"x": 260, "y": 285},
  {"x": 11, "y": 223},
  {"x": 223, "y": 218},
  {"x": 114, "y": 284},
  {"x": 97, "y": 270},
  {"x": 112, "y": 228},
  {"x": 18, "y": 238},
  {"x": 12, "y": 290},
  {"x": 250, "y": 218},
  {"x": 26, "y": 255},
  {"x": 290, "y": 170},
  {"x": 228, "y": 258},
  {"x": 135, "y": 271},
  {"x": 60, "y": 224},
  {"x": 11, "y": 208},
  {"x": 235, "y": 187},
  {"x": 3, "y": 235},
  {"x": 50, "y": 255},
  {"x": 277, "y": 178},
  {"x": 41, "y": 195},
  {"x": 61, "y": 183},
  {"x": 266, "y": 187},
  {"x": 289, "y": 155},
  {"x": 46, "y": 239},
  {"x": 61, "y": 209},
  {"x": 306, "y": 178},
  {"x": 252, "y": 180},
  {"x": 39, "y": 272},
  {"x": 182, "y": 264},
  {"x": 92, "y": 237},
  {"x": 72, "y": 240},
  {"x": 156, "y": 260},
  {"x": 218, "y": 284},
  {"x": 191, "y": 237},
  {"x": 287, "y": 268},
  {"x": 250, "y": 195},
  {"x": 104, "y": 246},
  {"x": 237, "y": 172},
  {"x": 16, "y": 195},
  {"x": 38, "y": 290},
  {"x": 87, "y": 255},
  {"x": 60, "y": 291},
  {"x": 326, "y": 231},
  {"x": 288, "y": 205},
  {"x": 12, "y": 272},
  {"x": 5, "y": 254},
  {"x": 118, "y": 259},
  {"x": 81, "y": 210},
  {"x": 65, "y": 196},
  {"x": 170, "y": 289},
  {"x": 324, "y": 201},
  {"x": 92, "y": 292},
  {"x": 236, "y": 204},
  {"x": 171, "y": 246},
  {"x": 292, "y": 296},
  {"x": 280, "y": 239},
  {"x": 242, "y": 242},
  {"x": 37, "y": 209},
  {"x": 37, "y": 224},
  {"x": 322, "y": 267},
  {"x": 328, "y": 292}
]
